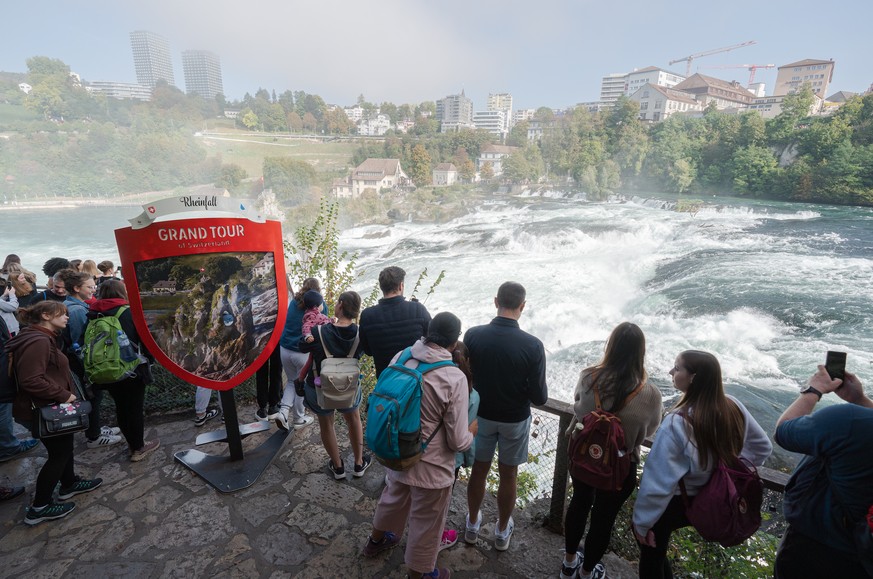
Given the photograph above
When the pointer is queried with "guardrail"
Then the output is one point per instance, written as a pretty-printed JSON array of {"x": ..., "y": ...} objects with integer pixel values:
[{"x": 774, "y": 480}]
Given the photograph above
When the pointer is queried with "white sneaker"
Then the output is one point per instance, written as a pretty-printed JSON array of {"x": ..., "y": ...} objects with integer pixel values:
[
  {"x": 282, "y": 419},
  {"x": 471, "y": 532},
  {"x": 502, "y": 538},
  {"x": 303, "y": 422},
  {"x": 104, "y": 440},
  {"x": 110, "y": 430}
]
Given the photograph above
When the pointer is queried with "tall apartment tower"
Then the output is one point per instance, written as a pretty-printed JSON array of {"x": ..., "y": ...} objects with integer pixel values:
[
  {"x": 502, "y": 102},
  {"x": 151, "y": 57},
  {"x": 455, "y": 112},
  {"x": 612, "y": 86},
  {"x": 816, "y": 73},
  {"x": 202, "y": 73}
]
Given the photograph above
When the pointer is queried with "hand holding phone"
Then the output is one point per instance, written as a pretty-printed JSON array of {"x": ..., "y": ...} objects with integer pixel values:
[{"x": 835, "y": 364}]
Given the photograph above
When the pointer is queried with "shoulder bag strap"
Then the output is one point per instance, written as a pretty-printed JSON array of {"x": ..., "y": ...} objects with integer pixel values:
[
  {"x": 631, "y": 396},
  {"x": 321, "y": 339},
  {"x": 357, "y": 341}
]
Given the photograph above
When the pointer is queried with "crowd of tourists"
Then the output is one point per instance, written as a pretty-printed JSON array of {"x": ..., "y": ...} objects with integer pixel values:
[{"x": 475, "y": 404}]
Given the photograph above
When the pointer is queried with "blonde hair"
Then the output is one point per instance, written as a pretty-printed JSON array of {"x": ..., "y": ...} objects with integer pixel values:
[
  {"x": 90, "y": 266},
  {"x": 21, "y": 288}
]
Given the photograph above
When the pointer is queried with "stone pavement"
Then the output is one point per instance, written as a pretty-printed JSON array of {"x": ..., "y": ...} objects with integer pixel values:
[{"x": 156, "y": 518}]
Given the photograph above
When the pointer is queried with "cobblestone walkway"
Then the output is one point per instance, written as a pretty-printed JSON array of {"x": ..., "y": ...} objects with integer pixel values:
[{"x": 156, "y": 518}]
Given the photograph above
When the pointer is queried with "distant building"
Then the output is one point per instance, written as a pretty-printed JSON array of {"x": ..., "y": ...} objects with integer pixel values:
[
  {"x": 492, "y": 121},
  {"x": 612, "y": 86},
  {"x": 445, "y": 174},
  {"x": 501, "y": 102},
  {"x": 120, "y": 90},
  {"x": 231, "y": 113},
  {"x": 455, "y": 112},
  {"x": 377, "y": 174},
  {"x": 522, "y": 115},
  {"x": 355, "y": 113},
  {"x": 374, "y": 126},
  {"x": 835, "y": 101},
  {"x": 202, "y": 73},
  {"x": 24, "y": 87},
  {"x": 494, "y": 154},
  {"x": 164, "y": 287},
  {"x": 342, "y": 188},
  {"x": 593, "y": 106},
  {"x": 650, "y": 75},
  {"x": 658, "y": 102},
  {"x": 707, "y": 89},
  {"x": 151, "y": 58},
  {"x": 536, "y": 130},
  {"x": 264, "y": 266},
  {"x": 817, "y": 73},
  {"x": 770, "y": 106}
]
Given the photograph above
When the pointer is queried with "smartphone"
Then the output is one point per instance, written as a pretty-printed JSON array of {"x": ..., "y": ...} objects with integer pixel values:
[{"x": 835, "y": 364}]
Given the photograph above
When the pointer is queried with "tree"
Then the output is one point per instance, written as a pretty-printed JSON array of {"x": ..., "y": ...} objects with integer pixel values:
[
  {"x": 419, "y": 166},
  {"x": 516, "y": 167},
  {"x": 795, "y": 107},
  {"x": 219, "y": 268},
  {"x": 249, "y": 119},
  {"x": 231, "y": 176},
  {"x": 486, "y": 173},
  {"x": 518, "y": 134},
  {"x": 295, "y": 123},
  {"x": 309, "y": 122},
  {"x": 753, "y": 170},
  {"x": 465, "y": 166},
  {"x": 289, "y": 178}
]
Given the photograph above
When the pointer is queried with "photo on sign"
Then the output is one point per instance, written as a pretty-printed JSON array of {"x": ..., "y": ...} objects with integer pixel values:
[{"x": 211, "y": 314}]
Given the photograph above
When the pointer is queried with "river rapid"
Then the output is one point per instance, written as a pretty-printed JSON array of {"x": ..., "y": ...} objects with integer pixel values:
[{"x": 768, "y": 287}]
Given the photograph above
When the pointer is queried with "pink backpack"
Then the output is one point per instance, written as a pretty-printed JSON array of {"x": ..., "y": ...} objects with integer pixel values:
[
  {"x": 598, "y": 453},
  {"x": 727, "y": 510}
]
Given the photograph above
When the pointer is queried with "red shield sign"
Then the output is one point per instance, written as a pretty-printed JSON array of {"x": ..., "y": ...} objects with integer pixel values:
[{"x": 208, "y": 295}]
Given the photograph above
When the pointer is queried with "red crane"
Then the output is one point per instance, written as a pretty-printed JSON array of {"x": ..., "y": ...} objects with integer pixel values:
[{"x": 691, "y": 57}]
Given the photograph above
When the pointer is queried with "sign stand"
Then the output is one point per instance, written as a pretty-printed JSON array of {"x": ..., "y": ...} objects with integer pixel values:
[{"x": 231, "y": 474}]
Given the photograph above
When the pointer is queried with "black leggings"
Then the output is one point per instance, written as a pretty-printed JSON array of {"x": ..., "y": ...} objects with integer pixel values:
[
  {"x": 603, "y": 507},
  {"x": 654, "y": 563},
  {"x": 129, "y": 396},
  {"x": 58, "y": 467},
  {"x": 801, "y": 556},
  {"x": 268, "y": 381}
]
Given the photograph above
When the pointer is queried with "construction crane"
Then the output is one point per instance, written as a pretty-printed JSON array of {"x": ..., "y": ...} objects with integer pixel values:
[
  {"x": 750, "y": 67},
  {"x": 691, "y": 57}
]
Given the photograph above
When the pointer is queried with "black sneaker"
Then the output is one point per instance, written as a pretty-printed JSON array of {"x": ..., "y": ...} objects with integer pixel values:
[
  {"x": 79, "y": 487},
  {"x": 48, "y": 512},
  {"x": 261, "y": 414},
  {"x": 272, "y": 411},
  {"x": 339, "y": 473},
  {"x": 360, "y": 469},
  {"x": 207, "y": 416}
]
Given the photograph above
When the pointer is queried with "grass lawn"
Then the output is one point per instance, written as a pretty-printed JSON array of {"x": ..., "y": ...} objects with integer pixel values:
[
  {"x": 16, "y": 113},
  {"x": 248, "y": 150}
]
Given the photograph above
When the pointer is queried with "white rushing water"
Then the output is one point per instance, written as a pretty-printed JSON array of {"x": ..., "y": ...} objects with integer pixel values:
[{"x": 768, "y": 287}]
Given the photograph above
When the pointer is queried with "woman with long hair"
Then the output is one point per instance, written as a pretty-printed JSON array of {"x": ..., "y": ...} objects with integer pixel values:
[
  {"x": 44, "y": 378},
  {"x": 706, "y": 426},
  {"x": 338, "y": 338},
  {"x": 90, "y": 266},
  {"x": 620, "y": 374},
  {"x": 290, "y": 412},
  {"x": 128, "y": 394},
  {"x": 80, "y": 289},
  {"x": 23, "y": 282}
]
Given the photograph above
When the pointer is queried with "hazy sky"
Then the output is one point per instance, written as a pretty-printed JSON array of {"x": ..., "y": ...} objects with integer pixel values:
[{"x": 545, "y": 53}]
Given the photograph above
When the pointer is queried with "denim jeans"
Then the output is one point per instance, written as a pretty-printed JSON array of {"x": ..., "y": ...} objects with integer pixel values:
[{"x": 9, "y": 443}]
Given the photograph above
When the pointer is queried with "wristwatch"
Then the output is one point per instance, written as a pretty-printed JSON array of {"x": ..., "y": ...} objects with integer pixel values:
[{"x": 812, "y": 390}]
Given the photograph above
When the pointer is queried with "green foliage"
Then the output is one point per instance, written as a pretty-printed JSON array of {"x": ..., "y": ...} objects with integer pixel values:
[
  {"x": 219, "y": 269},
  {"x": 231, "y": 176},
  {"x": 289, "y": 178},
  {"x": 315, "y": 253},
  {"x": 419, "y": 166}
]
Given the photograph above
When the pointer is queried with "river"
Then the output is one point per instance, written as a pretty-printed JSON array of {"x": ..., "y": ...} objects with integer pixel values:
[{"x": 768, "y": 287}]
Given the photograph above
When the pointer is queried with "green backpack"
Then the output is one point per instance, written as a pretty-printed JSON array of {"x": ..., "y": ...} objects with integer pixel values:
[{"x": 104, "y": 363}]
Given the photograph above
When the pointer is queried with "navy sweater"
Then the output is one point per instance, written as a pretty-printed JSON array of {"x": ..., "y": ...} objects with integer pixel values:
[{"x": 390, "y": 326}]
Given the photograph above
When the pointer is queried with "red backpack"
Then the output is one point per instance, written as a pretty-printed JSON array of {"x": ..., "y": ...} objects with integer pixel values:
[
  {"x": 727, "y": 509},
  {"x": 597, "y": 451}
]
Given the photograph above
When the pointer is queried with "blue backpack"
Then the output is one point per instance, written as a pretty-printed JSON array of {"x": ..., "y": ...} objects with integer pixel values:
[{"x": 394, "y": 414}]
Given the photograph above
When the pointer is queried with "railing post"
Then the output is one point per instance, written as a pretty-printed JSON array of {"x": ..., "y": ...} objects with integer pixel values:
[{"x": 555, "y": 520}]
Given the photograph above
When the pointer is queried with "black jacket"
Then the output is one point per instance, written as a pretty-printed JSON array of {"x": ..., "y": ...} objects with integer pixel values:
[
  {"x": 509, "y": 370},
  {"x": 338, "y": 340},
  {"x": 390, "y": 326}
]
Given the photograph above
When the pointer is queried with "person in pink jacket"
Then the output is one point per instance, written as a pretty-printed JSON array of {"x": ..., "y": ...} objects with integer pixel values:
[{"x": 420, "y": 496}]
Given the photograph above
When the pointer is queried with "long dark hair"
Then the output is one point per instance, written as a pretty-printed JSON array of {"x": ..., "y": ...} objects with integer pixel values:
[
  {"x": 713, "y": 421},
  {"x": 461, "y": 357},
  {"x": 309, "y": 283},
  {"x": 622, "y": 368}
]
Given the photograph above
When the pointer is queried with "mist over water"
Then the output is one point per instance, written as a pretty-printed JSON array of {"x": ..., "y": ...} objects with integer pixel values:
[{"x": 767, "y": 287}]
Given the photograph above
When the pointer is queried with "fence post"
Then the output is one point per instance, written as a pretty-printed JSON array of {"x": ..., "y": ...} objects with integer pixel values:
[{"x": 555, "y": 520}]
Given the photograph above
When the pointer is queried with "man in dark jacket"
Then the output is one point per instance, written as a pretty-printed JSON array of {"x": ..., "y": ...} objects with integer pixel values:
[
  {"x": 394, "y": 323},
  {"x": 509, "y": 373}
]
